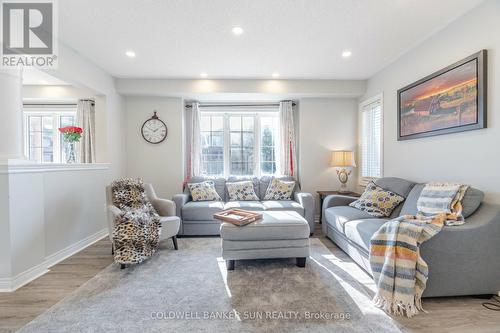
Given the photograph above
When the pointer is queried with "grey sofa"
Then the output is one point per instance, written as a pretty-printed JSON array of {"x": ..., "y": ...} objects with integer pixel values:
[
  {"x": 197, "y": 217},
  {"x": 463, "y": 260}
]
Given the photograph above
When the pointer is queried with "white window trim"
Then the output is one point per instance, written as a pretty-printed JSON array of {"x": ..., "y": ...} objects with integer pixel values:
[
  {"x": 363, "y": 181},
  {"x": 44, "y": 111},
  {"x": 227, "y": 137}
]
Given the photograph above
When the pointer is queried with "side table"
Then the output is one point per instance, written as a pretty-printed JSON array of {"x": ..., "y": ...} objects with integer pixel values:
[{"x": 324, "y": 194}]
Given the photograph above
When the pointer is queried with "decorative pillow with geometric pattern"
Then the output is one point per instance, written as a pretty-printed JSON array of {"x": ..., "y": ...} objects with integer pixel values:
[
  {"x": 241, "y": 191},
  {"x": 377, "y": 202},
  {"x": 279, "y": 190},
  {"x": 204, "y": 191}
]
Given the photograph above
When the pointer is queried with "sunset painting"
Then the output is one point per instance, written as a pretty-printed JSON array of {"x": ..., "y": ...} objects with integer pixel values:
[{"x": 449, "y": 99}]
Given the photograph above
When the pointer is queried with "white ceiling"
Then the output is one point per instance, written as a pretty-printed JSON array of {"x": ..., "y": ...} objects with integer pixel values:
[{"x": 297, "y": 38}]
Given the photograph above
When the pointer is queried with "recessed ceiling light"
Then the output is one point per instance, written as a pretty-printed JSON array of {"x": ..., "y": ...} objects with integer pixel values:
[
  {"x": 237, "y": 31},
  {"x": 346, "y": 53},
  {"x": 276, "y": 74},
  {"x": 130, "y": 54},
  {"x": 203, "y": 74}
]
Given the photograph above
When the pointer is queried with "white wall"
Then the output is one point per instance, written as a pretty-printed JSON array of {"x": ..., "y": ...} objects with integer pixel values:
[
  {"x": 469, "y": 157},
  {"x": 160, "y": 164},
  {"x": 63, "y": 92},
  {"x": 46, "y": 214},
  {"x": 86, "y": 76},
  {"x": 326, "y": 124},
  {"x": 238, "y": 90}
]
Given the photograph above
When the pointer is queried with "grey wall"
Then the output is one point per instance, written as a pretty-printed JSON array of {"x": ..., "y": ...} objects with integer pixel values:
[{"x": 469, "y": 157}]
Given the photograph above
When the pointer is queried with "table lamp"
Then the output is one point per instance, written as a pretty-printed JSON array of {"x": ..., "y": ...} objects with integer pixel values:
[{"x": 343, "y": 160}]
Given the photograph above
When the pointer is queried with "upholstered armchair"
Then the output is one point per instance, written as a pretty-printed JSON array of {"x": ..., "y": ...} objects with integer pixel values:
[{"x": 170, "y": 223}]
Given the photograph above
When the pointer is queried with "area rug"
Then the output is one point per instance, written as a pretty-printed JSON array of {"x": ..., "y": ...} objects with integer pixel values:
[{"x": 189, "y": 290}]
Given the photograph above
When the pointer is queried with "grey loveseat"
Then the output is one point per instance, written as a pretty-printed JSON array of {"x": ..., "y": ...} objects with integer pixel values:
[
  {"x": 197, "y": 217},
  {"x": 463, "y": 260}
]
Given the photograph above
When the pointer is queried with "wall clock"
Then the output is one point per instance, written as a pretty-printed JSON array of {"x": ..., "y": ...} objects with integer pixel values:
[{"x": 154, "y": 130}]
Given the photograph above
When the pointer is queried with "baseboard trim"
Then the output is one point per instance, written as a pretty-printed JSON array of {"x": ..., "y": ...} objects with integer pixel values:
[
  {"x": 16, "y": 282},
  {"x": 74, "y": 248}
]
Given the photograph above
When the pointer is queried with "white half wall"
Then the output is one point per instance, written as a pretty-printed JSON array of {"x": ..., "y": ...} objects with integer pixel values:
[
  {"x": 160, "y": 164},
  {"x": 326, "y": 124},
  {"x": 469, "y": 157},
  {"x": 55, "y": 210}
]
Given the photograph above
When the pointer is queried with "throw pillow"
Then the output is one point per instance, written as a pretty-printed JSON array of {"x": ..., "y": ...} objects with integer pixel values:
[
  {"x": 377, "y": 202},
  {"x": 204, "y": 191},
  {"x": 241, "y": 191},
  {"x": 279, "y": 190}
]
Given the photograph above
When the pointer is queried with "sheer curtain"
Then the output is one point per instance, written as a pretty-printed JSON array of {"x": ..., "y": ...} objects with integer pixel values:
[
  {"x": 193, "y": 119},
  {"x": 85, "y": 118},
  {"x": 288, "y": 151}
]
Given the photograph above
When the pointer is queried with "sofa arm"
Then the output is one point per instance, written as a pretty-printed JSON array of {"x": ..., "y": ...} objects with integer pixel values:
[
  {"x": 306, "y": 200},
  {"x": 164, "y": 207},
  {"x": 336, "y": 200},
  {"x": 113, "y": 212},
  {"x": 180, "y": 200}
]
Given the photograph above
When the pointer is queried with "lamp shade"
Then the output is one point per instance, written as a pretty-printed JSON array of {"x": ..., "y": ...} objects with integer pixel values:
[{"x": 343, "y": 158}]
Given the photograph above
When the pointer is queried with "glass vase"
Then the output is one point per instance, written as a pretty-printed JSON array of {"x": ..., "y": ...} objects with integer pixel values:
[{"x": 70, "y": 153}]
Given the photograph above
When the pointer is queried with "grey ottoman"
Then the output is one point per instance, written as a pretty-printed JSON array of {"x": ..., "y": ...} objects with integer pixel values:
[{"x": 280, "y": 234}]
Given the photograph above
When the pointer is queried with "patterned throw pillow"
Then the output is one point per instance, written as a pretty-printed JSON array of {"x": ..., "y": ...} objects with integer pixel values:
[
  {"x": 204, "y": 191},
  {"x": 241, "y": 191},
  {"x": 377, "y": 202},
  {"x": 279, "y": 190}
]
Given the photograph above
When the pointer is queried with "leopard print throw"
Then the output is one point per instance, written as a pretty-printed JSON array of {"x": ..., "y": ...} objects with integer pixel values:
[{"x": 137, "y": 228}]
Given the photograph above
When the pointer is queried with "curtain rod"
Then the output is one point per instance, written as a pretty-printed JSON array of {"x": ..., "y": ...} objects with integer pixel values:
[{"x": 237, "y": 105}]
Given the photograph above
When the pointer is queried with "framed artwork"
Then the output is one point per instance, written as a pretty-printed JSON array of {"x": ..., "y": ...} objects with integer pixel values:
[{"x": 448, "y": 101}]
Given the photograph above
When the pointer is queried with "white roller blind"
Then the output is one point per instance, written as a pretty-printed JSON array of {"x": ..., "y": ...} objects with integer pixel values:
[{"x": 371, "y": 139}]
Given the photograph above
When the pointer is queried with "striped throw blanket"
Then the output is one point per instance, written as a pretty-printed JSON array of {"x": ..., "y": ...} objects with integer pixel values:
[
  {"x": 437, "y": 198},
  {"x": 399, "y": 271}
]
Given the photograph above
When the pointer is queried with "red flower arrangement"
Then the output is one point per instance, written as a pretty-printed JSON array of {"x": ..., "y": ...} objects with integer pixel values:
[{"x": 71, "y": 133}]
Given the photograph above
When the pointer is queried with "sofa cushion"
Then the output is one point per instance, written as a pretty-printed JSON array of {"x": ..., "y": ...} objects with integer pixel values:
[
  {"x": 337, "y": 216},
  {"x": 361, "y": 231},
  {"x": 264, "y": 182},
  {"x": 283, "y": 205},
  {"x": 219, "y": 183},
  {"x": 377, "y": 201},
  {"x": 396, "y": 185},
  {"x": 201, "y": 210},
  {"x": 470, "y": 203},
  {"x": 243, "y": 190},
  {"x": 248, "y": 205}
]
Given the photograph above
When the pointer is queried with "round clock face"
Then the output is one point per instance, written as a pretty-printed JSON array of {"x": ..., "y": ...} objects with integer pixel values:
[{"x": 154, "y": 130}]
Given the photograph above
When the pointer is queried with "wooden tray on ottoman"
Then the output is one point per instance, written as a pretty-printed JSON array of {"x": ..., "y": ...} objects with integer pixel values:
[{"x": 238, "y": 217}]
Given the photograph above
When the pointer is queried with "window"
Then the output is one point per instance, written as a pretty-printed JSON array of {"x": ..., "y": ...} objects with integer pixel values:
[
  {"x": 371, "y": 139},
  {"x": 239, "y": 143},
  {"x": 212, "y": 145},
  {"x": 43, "y": 142}
]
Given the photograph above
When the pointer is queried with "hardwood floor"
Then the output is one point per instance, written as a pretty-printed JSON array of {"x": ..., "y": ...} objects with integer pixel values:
[
  {"x": 23, "y": 305},
  {"x": 453, "y": 314}
]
